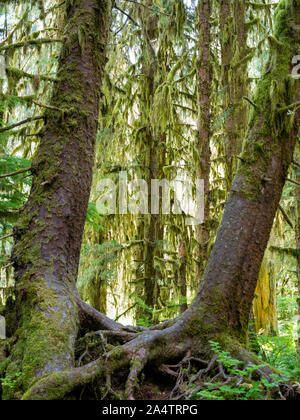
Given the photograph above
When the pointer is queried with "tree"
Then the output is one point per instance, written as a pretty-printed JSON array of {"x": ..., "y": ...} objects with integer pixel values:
[
  {"x": 204, "y": 86},
  {"x": 48, "y": 237},
  {"x": 47, "y": 300},
  {"x": 235, "y": 57}
]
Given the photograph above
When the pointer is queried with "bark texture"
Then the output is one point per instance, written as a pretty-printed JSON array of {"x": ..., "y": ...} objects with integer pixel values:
[
  {"x": 297, "y": 238},
  {"x": 264, "y": 304},
  {"x": 204, "y": 87},
  {"x": 235, "y": 56},
  {"x": 48, "y": 238}
]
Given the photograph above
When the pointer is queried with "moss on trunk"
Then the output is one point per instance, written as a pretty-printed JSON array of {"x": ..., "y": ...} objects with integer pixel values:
[{"x": 48, "y": 236}]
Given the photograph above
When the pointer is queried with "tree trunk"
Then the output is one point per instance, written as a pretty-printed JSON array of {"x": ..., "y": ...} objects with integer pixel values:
[
  {"x": 264, "y": 304},
  {"x": 182, "y": 275},
  {"x": 204, "y": 82},
  {"x": 154, "y": 144},
  {"x": 234, "y": 51},
  {"x": 297, "y": 237},
  {"x": 48, "y": 237}
]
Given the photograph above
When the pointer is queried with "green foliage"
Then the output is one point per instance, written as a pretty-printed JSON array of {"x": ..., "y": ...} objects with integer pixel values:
[
  {"x": 13, "y": 190},
  {"x": 93, "y": 218},
  {"x": 240, "y": 385},
  {"x": 145, "y": 321},
  {"x": 281, "y": 351},
  {"x": 11, "y": 381}
]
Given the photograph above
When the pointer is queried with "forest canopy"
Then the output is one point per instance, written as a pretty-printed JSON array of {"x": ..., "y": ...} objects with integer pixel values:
[{"x": 149, "y": 200}]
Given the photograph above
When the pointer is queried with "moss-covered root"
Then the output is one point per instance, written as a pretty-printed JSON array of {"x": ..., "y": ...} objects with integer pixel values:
[
  {"x": 154, "y": 348},
  {"x": 57, "y": 385},
  {"x": 60, "y": 384},
  {"x": 136, "y": 367},
  {"x": 149, "y": 347}
]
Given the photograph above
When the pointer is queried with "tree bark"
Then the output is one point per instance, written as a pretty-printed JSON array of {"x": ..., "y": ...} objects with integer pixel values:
[
  {"x": 182, "y": 275},
  {"x": 154, "y": 143},
  {"x": 48, "y": 237},
  {"x": 204, "y": 87},
  {"x": 234, "y": 51},
  {"x": 264, "y": 304},
  {"x": 297, "y": 238}
]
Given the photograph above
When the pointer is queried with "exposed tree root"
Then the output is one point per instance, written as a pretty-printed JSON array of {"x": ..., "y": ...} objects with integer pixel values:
[
  {"x": 115, "y": 354},
  {"x": 137, "y": 365},
  {"x": 91, "y": 320},
  {"x": 155, "y": 348}
]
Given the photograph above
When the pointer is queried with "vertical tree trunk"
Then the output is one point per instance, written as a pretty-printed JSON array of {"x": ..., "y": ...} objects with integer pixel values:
[
  {"x": 98, "y": 290},
  {"x": 224, "y": 300},
  {"x": 182, "y": 275},
  {"x": 48, "y": 237},
  {"x": 264, "y": 303},
  {"x": 153, "y": 142},
  {"x": 297, "y": 234},
  {"x": 234, "y": 80},
  {"x": 204, "y": 88}
]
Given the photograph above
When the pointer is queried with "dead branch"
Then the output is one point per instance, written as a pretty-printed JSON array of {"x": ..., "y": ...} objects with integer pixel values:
[
  {"x": 10, "y": 127},
  {"x": 20, "y": 171}
]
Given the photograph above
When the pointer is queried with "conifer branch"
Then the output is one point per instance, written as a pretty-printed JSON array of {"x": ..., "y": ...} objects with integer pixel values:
[
  {"x": 11, "y": 127},
  {"x": 32, "y": 42},
  {"x": 20, "y": 171},
  {"x": 285, "y": 216},
  {"x": 6, "y": 236},
  {"x": 126, "y": 14},
  {"x": 52, "y": 108},
  {"x": 293, "y": 181}
]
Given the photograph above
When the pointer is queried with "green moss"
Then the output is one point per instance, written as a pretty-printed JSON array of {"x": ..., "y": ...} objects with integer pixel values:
[
  {"x": 47, "y": 314},
  {"x": 275, "y": 90},
  {"x": 43, "y": 339}
]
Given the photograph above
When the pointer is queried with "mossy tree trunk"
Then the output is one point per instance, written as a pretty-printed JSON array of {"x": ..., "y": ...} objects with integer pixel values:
[
  {"x": 264, "y": 304},
  {"x": 98, "y": 290},
  {"x": 234, "y": 53},
  {"x": 154, "y": 150},
  {"x": 48, "y": 236},
  {"x": 297, "y": 237},
  {"x": 204, "y": 89},
  {"x": 182, "y": 274}
]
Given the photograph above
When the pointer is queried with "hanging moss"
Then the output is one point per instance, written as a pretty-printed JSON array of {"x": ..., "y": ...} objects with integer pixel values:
[{"x": 275, "y": 90}]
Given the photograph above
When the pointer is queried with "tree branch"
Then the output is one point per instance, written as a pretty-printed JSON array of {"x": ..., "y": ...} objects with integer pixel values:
[
  {"x": 52, "y": 108},
  {"x": 286, "y": 217},
  {"x": 22, "y": 73},
  {"x": 147, "y": 7},
  {"x": 2, "y": 130},
  {"x": 286, "y": 108},
  {"x": 250, "y": 102},
  {"x": 32, "y": 42},
  {"x": 21, "y": 171},
  {"x": 126, "y": 14},
  {"x": 294, "y": 162},
  {"x": 7, "y": 236},
  {"x": 293, "y": 181}
]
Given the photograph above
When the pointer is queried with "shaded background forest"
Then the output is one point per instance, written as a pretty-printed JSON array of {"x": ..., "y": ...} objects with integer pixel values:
[{"x": 144, "y": 268}]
